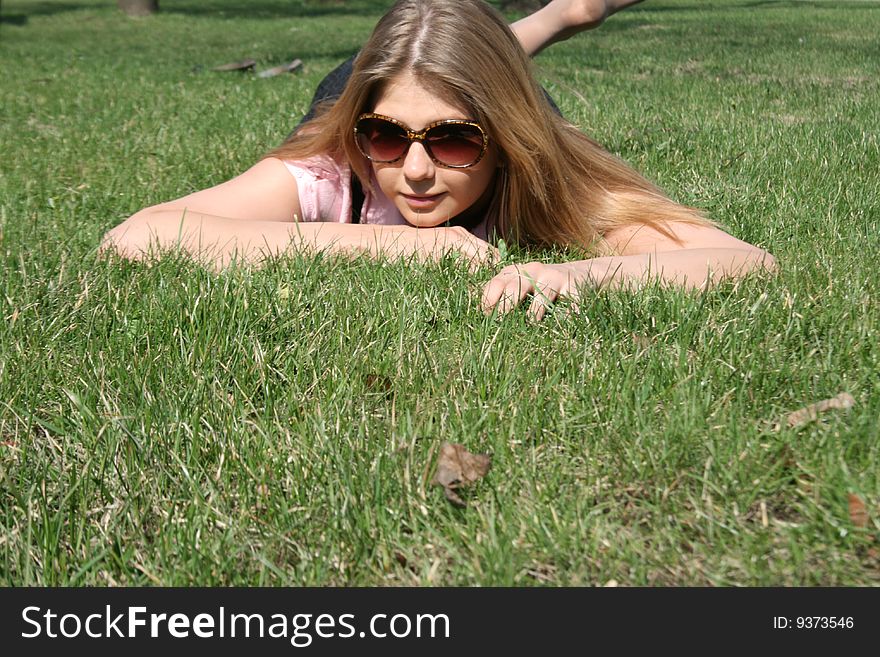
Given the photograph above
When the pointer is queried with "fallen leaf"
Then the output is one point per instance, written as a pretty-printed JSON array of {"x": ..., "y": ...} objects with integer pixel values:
[
  {"x": 858, "y": 513},
  {"x": 243, "y": 65},
  {"x": 456, "y": 468},
  {"x": 808, "y": 414},
  {"x": 292, "y": 67},
  {"x": 542, "y": 572},
  {"x": 378, "y": 383}
]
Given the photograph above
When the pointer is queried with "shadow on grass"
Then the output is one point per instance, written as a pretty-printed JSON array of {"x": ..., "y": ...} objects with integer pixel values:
[
  {"x": 14, "y": 19},
  {"x": 266, "y": 9},
  {"x": 279, "y": 8},
  {"x": 274, "y": 9},
  {"x": 26, "y": 11}
]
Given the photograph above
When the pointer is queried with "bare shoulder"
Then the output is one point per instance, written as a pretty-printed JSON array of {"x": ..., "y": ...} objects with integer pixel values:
[{"x": 267, "y": 191}]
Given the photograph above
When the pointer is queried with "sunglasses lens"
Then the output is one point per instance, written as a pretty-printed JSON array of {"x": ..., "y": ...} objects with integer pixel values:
[
  {"x": 381, "y": 141},
  {"x": 456, "y": 145},
  {"x": 450, "y": 144}
]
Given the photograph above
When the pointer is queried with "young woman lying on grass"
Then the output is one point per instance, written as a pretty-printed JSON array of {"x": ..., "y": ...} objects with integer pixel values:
[{"x": 450, "y": 143}]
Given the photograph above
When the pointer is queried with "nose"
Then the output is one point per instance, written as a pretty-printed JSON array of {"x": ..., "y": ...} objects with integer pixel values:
[{"x": 418, "y": 165}]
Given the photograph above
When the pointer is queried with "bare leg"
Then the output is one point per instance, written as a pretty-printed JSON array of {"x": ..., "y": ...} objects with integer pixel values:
[{"x": 562, "y": 19}]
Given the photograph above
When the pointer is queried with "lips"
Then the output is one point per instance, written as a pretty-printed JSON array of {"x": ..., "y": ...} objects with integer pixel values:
[{"x": 422, "y": 200}]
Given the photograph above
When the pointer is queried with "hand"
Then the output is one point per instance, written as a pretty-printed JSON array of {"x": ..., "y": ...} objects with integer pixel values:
[
  {"x": 547, "y": 282},
  {"x": 434, "y": 243}
]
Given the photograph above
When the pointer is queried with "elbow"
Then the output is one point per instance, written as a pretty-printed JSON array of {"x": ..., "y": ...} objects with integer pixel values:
[
  {"x": 131, "y": 239},
  {"x": 117, "y": 240},
  {"x": 766, "y": 261},
  {"x": 753, "y": 260},
  {"x": 738, "y": 264}
]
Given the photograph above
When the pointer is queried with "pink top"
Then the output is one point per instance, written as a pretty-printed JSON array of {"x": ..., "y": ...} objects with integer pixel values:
[{"x": 324, "y": 186}]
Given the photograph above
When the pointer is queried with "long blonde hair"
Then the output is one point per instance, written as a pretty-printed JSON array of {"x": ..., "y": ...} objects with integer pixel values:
[{"x": 555, "y": 185}]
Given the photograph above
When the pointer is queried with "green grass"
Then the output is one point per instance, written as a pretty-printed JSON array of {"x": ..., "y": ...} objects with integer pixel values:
[{"x": 164, "y": 424}]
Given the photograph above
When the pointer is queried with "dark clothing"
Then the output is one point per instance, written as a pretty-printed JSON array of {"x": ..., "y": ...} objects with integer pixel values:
[{"x": 330, "y": 88}]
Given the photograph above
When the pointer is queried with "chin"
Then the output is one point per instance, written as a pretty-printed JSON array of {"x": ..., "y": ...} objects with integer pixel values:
[
  {"x": 425, "y": 222},
  {"x": 431, "y": 219}
]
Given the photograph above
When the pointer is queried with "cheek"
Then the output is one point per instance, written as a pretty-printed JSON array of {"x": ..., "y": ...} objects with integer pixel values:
[
  {"x": 385, "y": 176},
  {"x": 472, "y": 186},
  {"x": 483, "y": 175}
]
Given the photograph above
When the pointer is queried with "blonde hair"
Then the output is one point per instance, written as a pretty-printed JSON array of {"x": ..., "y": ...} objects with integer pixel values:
[{"x": 555, "y": 185}]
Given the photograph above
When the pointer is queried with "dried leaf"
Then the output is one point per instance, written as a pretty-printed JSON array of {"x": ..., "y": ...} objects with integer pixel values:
[
  {"x": 542, "y": 572},
  {"x": 858, "y": 513},
  {"x": 453, "y": 498},
  {"x": 243, "y": 65},
  {"x": 456, "y": 468},
  {"x": 808, "y": 414},
  {"x": 292, "y": 67},
  {"x": 378, "y": 383}
]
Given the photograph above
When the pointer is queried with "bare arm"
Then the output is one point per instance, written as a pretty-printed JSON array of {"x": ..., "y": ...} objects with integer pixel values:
[
  {"x": 254, "y": 215},
  {"x": 703, "y": 255},
  {"x": 700, "y": 255},
  {"x": 218, "y": 240}
]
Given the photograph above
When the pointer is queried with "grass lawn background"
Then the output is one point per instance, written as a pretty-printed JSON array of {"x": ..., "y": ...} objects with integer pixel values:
[{"x": 160, "y": 424}]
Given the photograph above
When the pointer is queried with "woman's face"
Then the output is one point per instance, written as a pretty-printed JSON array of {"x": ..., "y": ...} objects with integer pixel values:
[{"x": 427, "y": 194}]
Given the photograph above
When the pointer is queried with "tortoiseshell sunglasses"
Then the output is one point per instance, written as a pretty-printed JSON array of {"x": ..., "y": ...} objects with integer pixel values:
[{"x": 453, "y": 143}]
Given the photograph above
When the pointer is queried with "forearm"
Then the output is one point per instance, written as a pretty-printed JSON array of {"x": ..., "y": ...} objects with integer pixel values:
[
  {"x": 218, "y": 240},
  {"x": 687, "y": 267},
  {"x": 691, "y": 268}
]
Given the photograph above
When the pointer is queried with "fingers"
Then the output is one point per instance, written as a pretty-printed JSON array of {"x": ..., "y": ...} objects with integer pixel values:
[
  {"x": 513, "y": 284},
  {"x": 545, "y": 295},
  {"x": 506, "y": 290}
]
